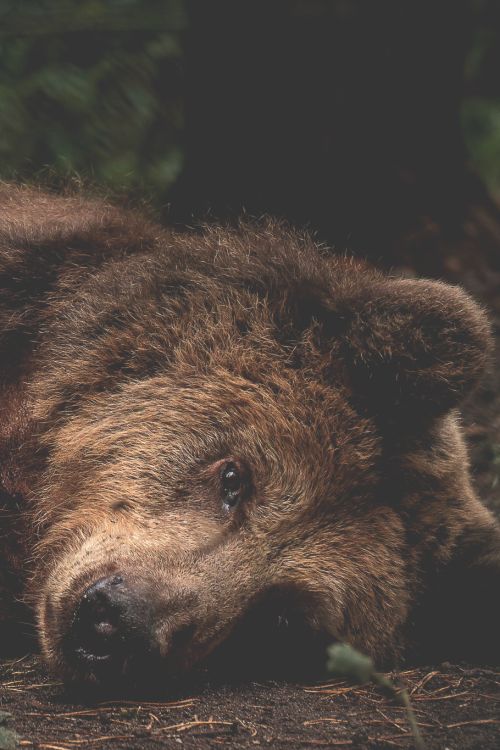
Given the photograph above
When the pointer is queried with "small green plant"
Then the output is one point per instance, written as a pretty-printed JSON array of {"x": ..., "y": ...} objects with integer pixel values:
[{"x": 348, "y": 664}]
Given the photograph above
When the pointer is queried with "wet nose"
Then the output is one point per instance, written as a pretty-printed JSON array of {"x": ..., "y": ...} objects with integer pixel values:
[{"x": 111, "y": 623}]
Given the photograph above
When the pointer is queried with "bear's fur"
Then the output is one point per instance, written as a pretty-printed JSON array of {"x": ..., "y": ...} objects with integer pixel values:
[{"x": 135, "y": 362}]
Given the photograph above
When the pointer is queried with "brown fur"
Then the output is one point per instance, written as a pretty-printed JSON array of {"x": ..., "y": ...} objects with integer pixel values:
[{"x": 135, "y": 359}]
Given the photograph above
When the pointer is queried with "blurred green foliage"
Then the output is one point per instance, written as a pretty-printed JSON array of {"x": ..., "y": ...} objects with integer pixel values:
[
  {"x": 481, "y": 126},
  {"x": 106, "y": 104},
  {"x": 481, "y": 103}
]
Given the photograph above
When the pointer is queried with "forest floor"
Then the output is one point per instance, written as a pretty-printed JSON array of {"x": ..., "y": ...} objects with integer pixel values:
[{"x": 457, "y": 706}]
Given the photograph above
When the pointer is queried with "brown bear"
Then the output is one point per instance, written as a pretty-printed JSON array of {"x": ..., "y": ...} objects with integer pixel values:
[{"x": 197, "y": 425}]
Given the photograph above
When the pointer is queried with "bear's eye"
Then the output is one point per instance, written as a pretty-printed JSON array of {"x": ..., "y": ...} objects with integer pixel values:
[{"x": 233, "y": 483}]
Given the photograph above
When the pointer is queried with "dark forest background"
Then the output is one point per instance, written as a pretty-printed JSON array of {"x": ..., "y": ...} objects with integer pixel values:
[{"x": 375, "y": 123}]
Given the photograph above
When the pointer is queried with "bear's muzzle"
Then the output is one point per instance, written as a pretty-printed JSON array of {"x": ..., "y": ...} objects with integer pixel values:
[{"x": 115, "y": 626}]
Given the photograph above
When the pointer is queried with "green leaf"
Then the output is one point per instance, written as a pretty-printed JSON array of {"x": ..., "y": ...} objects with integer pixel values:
[{"x": 348, "y": 664}]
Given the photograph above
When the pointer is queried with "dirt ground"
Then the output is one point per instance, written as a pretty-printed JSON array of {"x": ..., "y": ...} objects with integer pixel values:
[{"x": 457, "y": 706}]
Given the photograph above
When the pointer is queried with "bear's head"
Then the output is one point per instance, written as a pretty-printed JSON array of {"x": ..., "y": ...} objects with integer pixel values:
[{"x": 251, "y": 423}]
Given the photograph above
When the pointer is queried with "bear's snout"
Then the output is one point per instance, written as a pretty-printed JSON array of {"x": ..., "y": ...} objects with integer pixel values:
[
  {"x": 121, "y": 624},
  {"x": 112, "y": 622}
]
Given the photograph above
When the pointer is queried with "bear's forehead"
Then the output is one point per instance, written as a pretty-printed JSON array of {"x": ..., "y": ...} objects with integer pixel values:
[
  {"x": 232, "y": 346},
  {"x": 183, "y": 400},
  {"x": 202, "y": 416}
]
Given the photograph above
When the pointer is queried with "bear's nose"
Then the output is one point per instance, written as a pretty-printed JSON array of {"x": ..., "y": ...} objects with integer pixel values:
[{"x": 111, "y": 623}]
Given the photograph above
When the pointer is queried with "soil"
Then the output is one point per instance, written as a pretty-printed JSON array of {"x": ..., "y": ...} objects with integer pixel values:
[{"x": 457, "y": 706}]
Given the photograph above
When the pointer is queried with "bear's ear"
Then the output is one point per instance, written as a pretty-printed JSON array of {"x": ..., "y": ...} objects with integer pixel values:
[{"x": 409, "y": 344}]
